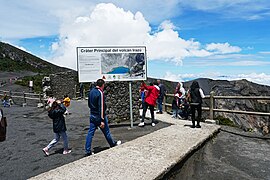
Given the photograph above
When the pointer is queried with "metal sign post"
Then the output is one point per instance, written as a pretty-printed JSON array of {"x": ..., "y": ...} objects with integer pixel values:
[{"x": 130, "y": 105}]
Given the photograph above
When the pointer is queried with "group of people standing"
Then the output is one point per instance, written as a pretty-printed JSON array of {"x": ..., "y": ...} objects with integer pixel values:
[{"x": 183, "y": 102}]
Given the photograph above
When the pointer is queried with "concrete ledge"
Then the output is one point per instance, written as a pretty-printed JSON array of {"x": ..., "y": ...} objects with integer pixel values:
[
  {"x": 211, "y": 121},
  {"x": 147, "y": 157}
]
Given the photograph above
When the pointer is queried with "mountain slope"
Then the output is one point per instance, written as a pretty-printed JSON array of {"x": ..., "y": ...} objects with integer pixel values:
[{"x": 13, "y": 59}]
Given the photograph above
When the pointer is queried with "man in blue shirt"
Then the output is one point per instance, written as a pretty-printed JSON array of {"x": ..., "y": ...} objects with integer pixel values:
[{"x": 98, "y": 118}]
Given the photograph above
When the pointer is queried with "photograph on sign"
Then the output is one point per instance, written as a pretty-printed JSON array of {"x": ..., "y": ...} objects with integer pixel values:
[{"x": 111, "y": 63}]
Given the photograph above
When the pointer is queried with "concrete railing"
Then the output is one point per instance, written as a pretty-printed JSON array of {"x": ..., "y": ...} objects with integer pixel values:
[{"x": 212, "y": 108}]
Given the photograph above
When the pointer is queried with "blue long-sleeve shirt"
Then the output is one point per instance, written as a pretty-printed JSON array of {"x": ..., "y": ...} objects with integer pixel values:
[{"x": 96, "y": 103}]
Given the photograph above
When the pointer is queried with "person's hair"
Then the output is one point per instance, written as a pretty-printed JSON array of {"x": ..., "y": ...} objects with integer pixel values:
[
  {"x": 151, "y": 84},
  {"x": 100, "y": 82},
  {"x": 194, "y": 85},
  {"x": 155, "y": 83},
  {"x": 65, "y": 96},
  {"x": 54, "y": 106}
]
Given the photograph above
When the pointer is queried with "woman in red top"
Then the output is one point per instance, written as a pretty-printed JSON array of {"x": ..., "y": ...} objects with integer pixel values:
[{"x": 150, "y": 101}]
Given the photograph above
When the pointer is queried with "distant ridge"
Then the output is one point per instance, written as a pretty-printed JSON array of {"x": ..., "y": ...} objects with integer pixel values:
[{"x": 13, "y": 59}]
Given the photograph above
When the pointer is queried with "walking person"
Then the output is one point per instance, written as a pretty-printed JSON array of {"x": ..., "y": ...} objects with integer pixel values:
[
  {"x": 98, "y": 118},
  {"x": 150, "y": 101},
  {"x": 162, "y": 93},
  {"x": 59, "y": 127},
  {"x": 196, "y": 95}
]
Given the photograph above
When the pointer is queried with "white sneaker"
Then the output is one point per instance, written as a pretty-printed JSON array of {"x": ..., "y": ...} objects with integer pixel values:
[
  {"x": 141, "y": 124},
  {"x": 153, "y": 124},
  {"x": 46, "y": 151},
  {"x": 66, "y": 152},
  {"x": 118, "y": 143}
]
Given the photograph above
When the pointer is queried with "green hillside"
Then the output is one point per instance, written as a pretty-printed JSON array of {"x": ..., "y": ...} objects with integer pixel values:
[{"x": 13, "y": 59}]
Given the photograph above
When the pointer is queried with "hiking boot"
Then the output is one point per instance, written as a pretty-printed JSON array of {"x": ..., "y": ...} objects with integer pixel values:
[
  {"x": 46, "y": 151},
  {"x": 141, "y": 124},
  {"x": 66, "y": 152}
]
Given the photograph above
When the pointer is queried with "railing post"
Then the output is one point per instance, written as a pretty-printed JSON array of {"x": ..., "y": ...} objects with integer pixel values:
[
  {"x": 164, "y": 103},
  {"x": 211, "y": 108},
  {"x": 39, "y": 96},
  {"x": 24, "y": 97},
  {"x": 75, "y": 91},
  {"x": 10, "y": 94}
]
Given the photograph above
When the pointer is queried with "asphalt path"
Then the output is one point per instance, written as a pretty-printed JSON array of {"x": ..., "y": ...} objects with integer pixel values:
[{"x": 30, "y": 130}]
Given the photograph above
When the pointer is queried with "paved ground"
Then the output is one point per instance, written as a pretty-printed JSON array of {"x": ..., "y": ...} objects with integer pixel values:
[
  {"x": 30, "y": 129},
  {"x": 147, "y": 157},
  {"x": 228, "y": 156}
]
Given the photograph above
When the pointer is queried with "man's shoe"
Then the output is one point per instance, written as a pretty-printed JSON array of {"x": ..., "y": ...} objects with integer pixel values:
[
  {"x": 159, "y": 112},
  {"x": 198, "y": 126},
  {"x": 141, "y": 124},
  {"x": 118, "y": 143},
  {"x": 88, "y": 154},
  {"x": 46, "y": 151},
  {"x": 66, "y": 152},
  {"x": 153, "y": 124},
  {"x": 193, "y": 126}
]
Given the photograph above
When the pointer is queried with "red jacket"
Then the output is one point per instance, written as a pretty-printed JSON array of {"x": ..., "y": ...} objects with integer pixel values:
[{"x": 152, "y": 95}]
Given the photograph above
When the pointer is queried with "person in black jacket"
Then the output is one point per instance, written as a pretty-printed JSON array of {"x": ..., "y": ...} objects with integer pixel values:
[
  {"x": 196, "y": 95},
  {"x": 56, "y": 113}
]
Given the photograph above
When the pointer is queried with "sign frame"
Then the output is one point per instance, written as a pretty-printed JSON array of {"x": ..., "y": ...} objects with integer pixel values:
[{"x": 93, "y": 60}]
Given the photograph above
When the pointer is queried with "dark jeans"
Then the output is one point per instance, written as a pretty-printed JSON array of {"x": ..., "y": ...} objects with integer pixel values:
[
  {"x": 106, "y": 131},
  {"x": 159, "y": 101},
  {"x": 193, "y": 110},
  {"x": 146, "y": 105}
]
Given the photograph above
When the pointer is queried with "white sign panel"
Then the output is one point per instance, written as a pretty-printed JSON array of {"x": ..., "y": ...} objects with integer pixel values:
[{"x": 111, "y": 63}]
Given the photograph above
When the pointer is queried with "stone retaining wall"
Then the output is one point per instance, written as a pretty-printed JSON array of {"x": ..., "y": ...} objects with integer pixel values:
[{"x": 117, "y": 95}]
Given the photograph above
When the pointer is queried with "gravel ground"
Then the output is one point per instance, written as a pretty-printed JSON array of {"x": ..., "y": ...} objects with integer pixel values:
[
  {"x": 30, "y": 129},
  {"x": 228, "y": 156}
]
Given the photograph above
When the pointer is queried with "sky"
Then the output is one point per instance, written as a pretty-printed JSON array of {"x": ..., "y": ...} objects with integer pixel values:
[{"x": 185, "y": 39}]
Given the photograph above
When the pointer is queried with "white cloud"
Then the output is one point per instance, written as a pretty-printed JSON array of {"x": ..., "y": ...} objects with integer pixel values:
[
  {"x": 22, "y": 48},
  {"x": 264, "y": 52},
  {"x": 237, "y": 9},
  {"x": 222, "y": 48},
  {"x": 110, "y": 25},
  {"x": 259, "y": 78}
]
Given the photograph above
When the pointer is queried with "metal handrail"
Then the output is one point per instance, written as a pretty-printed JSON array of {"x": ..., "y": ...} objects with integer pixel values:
[{"x": 212, "y": 108}]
